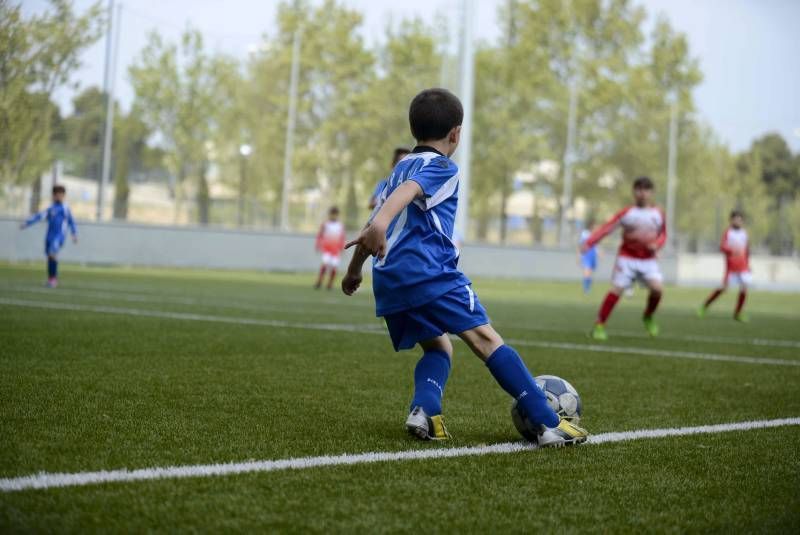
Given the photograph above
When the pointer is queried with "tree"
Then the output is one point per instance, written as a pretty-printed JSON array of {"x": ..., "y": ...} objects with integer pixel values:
[
  {"x": 37, "y": 55},
  {"x": 177, "y": 88}
]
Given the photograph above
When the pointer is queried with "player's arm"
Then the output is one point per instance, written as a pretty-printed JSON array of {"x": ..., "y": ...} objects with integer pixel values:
[
  {"x": 73, "y": 229},
  {"x": 723, "y": 244},
  {"x": 373, "y": 237},
  {"x": 32, "y": 220},
  {"x": 602, "y": 231},
  {"x": 318, "y": 241},
  {"x": 661, "y": 240}
]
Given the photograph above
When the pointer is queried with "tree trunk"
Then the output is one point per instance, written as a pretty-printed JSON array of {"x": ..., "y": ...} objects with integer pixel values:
[
  {"x": 503, "y": 201},
  {"x": 352, "y": 221},
  {"x": 121, "y": 188},
  {"x": 482, "y": 230},
  {"x": 36, "y": 195},
  {"x": 203, "y": 197}
]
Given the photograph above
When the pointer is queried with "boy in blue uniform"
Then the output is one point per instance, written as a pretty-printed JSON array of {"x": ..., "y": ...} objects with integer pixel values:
[
  {"x": 588, "y": 258},
  {"x": 418, "y": 288},
  {"x": 59, "y": 217}
]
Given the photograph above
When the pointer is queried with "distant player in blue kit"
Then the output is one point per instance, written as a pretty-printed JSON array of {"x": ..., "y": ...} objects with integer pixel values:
[
  {"x": 588, "y": 258},
  {"x": 399, "y": 154},
  {"x": 418, "y": 288},
  {"x": 59, "y": 218}
]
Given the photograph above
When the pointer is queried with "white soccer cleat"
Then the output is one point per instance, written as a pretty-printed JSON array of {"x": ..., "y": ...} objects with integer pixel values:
[
  {"x": 565, "y": 434},
  {"x": 426, "y": 427}
]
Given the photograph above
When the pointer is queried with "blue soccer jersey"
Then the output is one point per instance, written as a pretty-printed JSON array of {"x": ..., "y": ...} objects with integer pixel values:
[
  {"x": 59, "y": 218},
  {"x": 421, "y": 261}
]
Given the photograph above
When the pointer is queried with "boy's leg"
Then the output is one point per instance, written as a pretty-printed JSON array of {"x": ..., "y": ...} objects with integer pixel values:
[
  {"x": 333, "y": 264},
  {"x": 713, "y": 296},
  {"x": 653, "y": 299},
  {"x": 431, "y": 373},
  {"x": 738, "y": 314},
  {"x": 587, "y": 279},
  {"x": 321, "y": 275},
  {"x": 510, "y": 372}
]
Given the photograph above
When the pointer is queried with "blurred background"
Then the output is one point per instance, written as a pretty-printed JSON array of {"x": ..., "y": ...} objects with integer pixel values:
[{"x": 260, "y": 115}]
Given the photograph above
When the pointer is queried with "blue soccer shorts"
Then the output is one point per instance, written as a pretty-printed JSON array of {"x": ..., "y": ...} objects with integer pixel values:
[
  {"x": 52, "y": 247},
  {"x": 456, "y": 311}
]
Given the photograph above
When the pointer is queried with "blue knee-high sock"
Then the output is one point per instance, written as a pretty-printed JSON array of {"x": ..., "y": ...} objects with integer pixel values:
[
  {"x": 587, "y": 284},
  {"x": 430, "y": 376},
  {"x": 510, "y": 372},
  {"x": 52, "y": 268}
]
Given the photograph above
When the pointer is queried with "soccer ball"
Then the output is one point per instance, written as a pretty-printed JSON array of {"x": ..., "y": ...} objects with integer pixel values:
[{"x": 562, "y": 398}]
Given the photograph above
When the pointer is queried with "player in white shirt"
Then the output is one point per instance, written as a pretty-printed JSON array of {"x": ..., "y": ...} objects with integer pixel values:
[
  {"x": 735, "y": 246},
  {"x": 330, "y": 242}
]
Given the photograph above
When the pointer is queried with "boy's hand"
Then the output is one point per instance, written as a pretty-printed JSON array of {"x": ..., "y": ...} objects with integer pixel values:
[
  {"x": 372, "y": 239},
  {"x": 351, "y": 282},
  {"x": 74, "y": 239},
  {"x": 22, "y": 226}
]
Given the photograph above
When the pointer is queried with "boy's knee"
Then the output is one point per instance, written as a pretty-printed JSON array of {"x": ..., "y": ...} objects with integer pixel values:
[
  {"x": 483, "y": 340},
  {"x": 441, "y": 343}
]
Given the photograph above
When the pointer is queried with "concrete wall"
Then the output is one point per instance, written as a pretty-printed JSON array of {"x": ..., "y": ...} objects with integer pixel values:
[{"x": 141, "y": 245}]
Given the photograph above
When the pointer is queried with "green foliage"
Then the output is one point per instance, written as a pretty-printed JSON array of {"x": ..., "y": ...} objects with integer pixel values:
[
  {"x": 178, "y": 89},
  {"x": 38, "y": 54}
]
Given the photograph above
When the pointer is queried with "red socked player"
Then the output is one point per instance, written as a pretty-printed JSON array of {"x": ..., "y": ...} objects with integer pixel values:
[
  {"x": 330, "y": 242},
  {"x": 644, "y": 232},
  {"x": 735, "y": 245}
]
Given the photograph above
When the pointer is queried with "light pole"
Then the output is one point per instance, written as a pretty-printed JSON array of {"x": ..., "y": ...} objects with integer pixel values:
[
  {"x": 569, "y": 159},
  {"x": 245, "y": 151},
  {"x": 108, "y": 88},
  {"x": 466, "y": 88},
  {"x": 672, "y": 162},
  {"x": 290, "y": 124}
]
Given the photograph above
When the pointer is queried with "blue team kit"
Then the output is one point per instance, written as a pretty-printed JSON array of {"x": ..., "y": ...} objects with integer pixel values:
[
  {"x": 418, "y": 287},
  {"x": 59, "y": 219}
]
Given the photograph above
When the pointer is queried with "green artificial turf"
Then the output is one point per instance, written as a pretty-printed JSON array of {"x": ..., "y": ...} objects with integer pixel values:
[{"x": 109, "y": 386}]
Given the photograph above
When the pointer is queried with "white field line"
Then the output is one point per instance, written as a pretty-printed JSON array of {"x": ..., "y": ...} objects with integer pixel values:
[
  {"x": 142, "y": 296},
  {"x": 774, "y": 342},
  {"x": 369, "y": 329},
  {"x": 188, "y": 316},
  {"x": 668, "y": 353},
  {"x": 46, "y": 480}
]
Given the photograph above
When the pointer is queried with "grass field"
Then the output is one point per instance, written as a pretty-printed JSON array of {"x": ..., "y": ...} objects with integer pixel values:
[{"x": 155, "y": 368}]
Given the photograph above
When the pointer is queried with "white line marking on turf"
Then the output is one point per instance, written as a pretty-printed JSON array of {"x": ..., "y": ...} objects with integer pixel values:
[
  {"x": 369, "y": 329},
  {"x": 112, "y": 292},
  {"x": 188, "y": 316},
  {"x": 775, "y": 342},
  {"x": 654, "y": 352},
  {"x": 46, "y": 480}
]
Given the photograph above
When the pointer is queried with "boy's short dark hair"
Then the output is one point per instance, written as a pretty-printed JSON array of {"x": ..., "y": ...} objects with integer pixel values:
[
  {"x": 399, "y": 152},
  {"x": 433, "y": 113},
  {"x": 333, "y": 210},
  {"x": 736, "y": 213},
  {"x": 58, "y": 188},
  {"x": 643, "y": 182}
]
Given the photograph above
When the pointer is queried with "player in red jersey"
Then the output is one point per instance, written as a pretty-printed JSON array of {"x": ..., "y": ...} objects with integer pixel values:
[
  {"x": 644, "y": 232},
  {"x": 736, "y": 248},
  {"x": 330, "y": 242}
]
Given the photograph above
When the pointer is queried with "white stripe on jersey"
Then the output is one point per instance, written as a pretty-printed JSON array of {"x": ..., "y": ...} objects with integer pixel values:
[{"x": 398, "y": 228}]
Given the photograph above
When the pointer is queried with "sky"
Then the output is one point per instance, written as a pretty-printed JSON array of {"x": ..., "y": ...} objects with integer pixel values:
[{"x": 748, "y": 49}]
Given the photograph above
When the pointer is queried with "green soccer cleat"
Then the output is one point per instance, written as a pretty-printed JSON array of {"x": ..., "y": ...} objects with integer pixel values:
[
  {"x": 566, "y": 434},
  {"x": 426, "y": 427},
  {"x": 741, "y": 317},
  {"x": 701, "y": 312},
  {"x": 651, "y": 326},
  {"x": 599, "y": 332}
]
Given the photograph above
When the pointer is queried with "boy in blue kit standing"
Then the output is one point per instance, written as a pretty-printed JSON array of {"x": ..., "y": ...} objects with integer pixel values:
[
  {"x": 59, "y": 217},
  {"x": 418, "y": 288}
]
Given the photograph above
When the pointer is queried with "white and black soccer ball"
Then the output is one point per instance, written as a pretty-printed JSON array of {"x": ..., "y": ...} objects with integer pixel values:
[{"x": 562, "y": 398}]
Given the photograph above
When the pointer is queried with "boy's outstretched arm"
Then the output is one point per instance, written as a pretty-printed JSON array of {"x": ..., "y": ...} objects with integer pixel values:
[
  {"x": 32, "y": 220},
  {"x": 372, "y": 239},
  {"x": 603, "y": 230}
]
